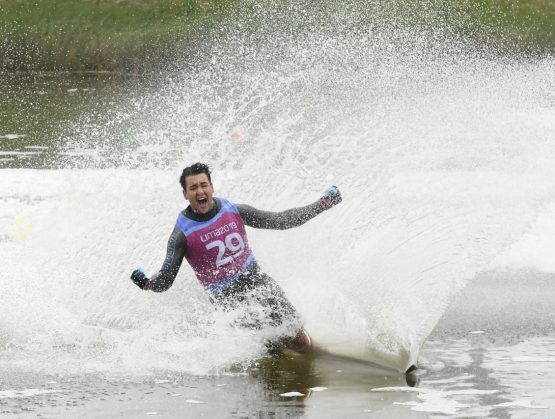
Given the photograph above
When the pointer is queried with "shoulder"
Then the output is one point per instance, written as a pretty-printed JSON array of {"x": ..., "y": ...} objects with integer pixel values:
[
  {"x": 223, "y": 202},
  {"x": 228, "y": 206},
  {"x": 182, "y": 219}
]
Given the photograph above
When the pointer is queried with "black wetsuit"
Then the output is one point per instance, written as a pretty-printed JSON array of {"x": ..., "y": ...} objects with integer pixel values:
[{"x": 253, "y": 285}]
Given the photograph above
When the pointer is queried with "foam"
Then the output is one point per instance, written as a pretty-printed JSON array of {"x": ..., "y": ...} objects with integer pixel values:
[
  {"x": 12, "y": 136},
  {"x": 525, "y": 403},
  {"x": 436, "y": 401},
  {"x": 291, "y": 394},
  {"x": 25, "y": 393},
  {"x": 519, "y": 371}
]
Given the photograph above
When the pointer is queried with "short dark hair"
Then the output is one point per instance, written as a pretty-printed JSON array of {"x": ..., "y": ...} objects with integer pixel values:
[{"x": 194, "y": 169}]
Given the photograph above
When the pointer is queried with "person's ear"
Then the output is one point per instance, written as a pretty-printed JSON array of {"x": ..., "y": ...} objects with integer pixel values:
[{"x": 184, "y": 194}]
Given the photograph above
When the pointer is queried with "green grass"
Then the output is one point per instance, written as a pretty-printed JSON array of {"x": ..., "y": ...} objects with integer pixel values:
[
  {"x": 98, "y": 34},
  {"x": 527, "y": 25},
  {"x": 506, "y": 25},
  {"x": 133, "y": 35}
]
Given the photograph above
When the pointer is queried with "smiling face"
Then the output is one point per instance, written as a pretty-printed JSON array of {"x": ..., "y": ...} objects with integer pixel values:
[{"x": 198, "y": 191}]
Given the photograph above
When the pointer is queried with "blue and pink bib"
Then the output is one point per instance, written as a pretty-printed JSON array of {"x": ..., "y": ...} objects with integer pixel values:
[{"x": 217, "y": 249}]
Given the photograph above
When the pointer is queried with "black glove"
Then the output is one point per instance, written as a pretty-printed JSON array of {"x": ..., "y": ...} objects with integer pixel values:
[{"x": 139, "y": 278}]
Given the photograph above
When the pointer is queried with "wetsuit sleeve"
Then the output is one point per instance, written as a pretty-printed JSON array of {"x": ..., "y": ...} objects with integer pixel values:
[
  {"x": 177, "y": 246},
  {"x": 282, "y": 220}
]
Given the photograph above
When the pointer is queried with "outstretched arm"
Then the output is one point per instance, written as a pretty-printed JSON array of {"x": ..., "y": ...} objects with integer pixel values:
[
  {"x": 290, "y": 218},
  {"x": 163, "y": 279}
]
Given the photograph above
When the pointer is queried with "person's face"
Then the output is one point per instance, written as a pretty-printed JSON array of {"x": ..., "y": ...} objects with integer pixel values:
[{"x": 199, "y": 193}]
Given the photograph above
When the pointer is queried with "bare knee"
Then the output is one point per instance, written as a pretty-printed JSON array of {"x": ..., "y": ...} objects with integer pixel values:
[{"x": 301, "y": 342}]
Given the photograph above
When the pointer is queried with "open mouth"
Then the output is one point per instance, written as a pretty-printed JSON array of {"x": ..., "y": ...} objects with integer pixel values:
[{"x": 202, "y": 202}]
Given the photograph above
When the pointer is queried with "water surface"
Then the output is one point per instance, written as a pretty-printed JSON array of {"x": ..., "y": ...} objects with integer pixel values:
[{"x": 442, "y": 247}]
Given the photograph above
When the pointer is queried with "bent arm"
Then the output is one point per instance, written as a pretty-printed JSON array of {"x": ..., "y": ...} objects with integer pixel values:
[
  {"x": 177, "y": 246},
  {"x": 282, "y": 220}
]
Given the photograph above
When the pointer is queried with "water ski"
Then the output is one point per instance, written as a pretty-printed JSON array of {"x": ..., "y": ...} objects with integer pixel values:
[{"x": 302, "y": 343}]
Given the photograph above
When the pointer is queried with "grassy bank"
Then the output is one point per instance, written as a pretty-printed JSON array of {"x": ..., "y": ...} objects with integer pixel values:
[
  {"x": 527, "y": 25},
  {"x": 131, "y": 35},
  {"x": 99, "y": 34}
]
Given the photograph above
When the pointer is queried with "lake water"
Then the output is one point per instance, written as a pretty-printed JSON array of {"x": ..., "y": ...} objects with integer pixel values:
[{"x": 441, "y": 249}]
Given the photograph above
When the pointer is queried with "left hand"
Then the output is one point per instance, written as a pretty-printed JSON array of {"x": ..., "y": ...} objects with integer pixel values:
[
  {"x": 139, "y": 278},
  {"x": 331, "y": 197}
]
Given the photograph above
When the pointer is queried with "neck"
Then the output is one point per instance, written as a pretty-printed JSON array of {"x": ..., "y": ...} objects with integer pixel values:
[{"x": 198, "y": 216}]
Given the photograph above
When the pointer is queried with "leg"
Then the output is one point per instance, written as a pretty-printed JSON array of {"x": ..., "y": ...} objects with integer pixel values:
[
  {"x": 270, "y": 295},
  {"x": 301, "y": 342},
  {"x": 264, "y": 291}
]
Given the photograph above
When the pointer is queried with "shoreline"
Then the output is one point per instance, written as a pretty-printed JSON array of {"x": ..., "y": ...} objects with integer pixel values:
[
  {"x": 137, "y": 36},
  {"x": 109, "y": 35}
]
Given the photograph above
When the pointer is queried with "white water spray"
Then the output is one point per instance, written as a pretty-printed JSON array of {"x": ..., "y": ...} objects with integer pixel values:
[{"x": 442, "y": 156}]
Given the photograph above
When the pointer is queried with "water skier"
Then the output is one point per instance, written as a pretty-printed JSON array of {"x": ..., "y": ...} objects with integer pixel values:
[{"x": 210, "y": 234}]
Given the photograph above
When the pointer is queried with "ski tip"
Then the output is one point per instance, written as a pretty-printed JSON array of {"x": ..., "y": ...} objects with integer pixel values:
[{"x": 411, "y": 369}]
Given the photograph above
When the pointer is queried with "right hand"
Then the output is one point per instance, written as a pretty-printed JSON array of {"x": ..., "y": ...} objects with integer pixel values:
[{"x": 139, "y": 278}]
